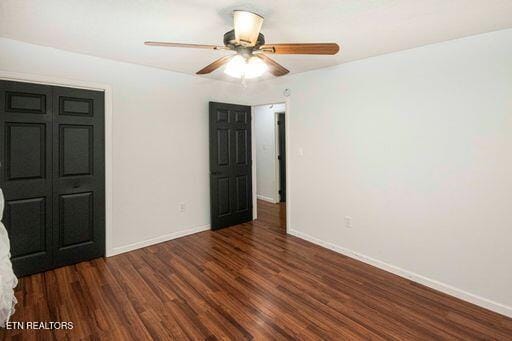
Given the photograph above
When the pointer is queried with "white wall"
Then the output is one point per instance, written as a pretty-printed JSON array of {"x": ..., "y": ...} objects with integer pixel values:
[
  {"x": 265, "y": 139},
  {"x": 416, "y": 146},
  {"x": 160, "y": 138}
]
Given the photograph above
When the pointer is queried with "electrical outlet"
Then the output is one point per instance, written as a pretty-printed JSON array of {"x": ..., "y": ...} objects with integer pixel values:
[
  {"x": 182, "y": 207},
  {"x": 348, "y": 222}
]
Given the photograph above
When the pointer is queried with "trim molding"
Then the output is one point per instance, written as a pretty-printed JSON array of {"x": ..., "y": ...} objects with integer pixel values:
[
  {"x": 264, "y": 198},
  {"x": 164, "y": 238},
  {"x": 431, "y": 283}
]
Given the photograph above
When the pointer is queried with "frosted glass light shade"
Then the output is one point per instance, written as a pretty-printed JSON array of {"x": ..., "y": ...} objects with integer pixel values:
[
  {"x": 255, "y": 68},
  {"x": 247, "y": 27},
  {"x": 238, "y": 67}
]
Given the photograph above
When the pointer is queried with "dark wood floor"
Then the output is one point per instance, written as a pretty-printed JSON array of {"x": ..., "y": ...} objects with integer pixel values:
[{"x": 248, "y": 281}]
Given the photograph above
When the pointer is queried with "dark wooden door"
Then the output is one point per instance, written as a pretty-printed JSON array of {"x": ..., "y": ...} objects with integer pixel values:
[
  {"x": 78, "y": 175},
  {"x": 282, "y": 156},
  {"x": 26, "y": 115},
  {"x": 230, "y": 164},
  {"x": 52, "y": 174}
]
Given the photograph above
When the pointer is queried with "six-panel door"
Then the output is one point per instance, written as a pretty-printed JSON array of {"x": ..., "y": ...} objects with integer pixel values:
[
  {"x": 78, "y": 175},
  {"x": 230, "y": 164},
  {"x": 52, "y": 174},
  {"x": 26, "y": 173}
]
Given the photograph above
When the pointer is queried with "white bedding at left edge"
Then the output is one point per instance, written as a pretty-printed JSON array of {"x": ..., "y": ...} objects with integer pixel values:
[{"x": 8, "y": 280}]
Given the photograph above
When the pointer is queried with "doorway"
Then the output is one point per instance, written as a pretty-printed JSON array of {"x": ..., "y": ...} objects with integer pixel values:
[{"x": 270, "y": 154}]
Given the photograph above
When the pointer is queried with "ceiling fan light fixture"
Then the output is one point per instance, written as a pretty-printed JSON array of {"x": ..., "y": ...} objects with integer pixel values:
[
  {"x": 236, "y": 67},
  {"x": 251, "y": 60},
  {"x": 247, "y": 27},
  {"x": 255, "y": 68},
  {"x": 239, "y": 67}
]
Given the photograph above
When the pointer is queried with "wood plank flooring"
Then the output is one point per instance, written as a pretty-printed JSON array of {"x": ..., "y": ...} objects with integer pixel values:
[{"x": 250, "y": 281}]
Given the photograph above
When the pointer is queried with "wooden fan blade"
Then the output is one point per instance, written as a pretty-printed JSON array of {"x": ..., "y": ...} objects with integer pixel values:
[
  {"x": 194, "y": 46},
  {"x": 215, "y": 65},
  {"x": 315, "y": 48},
  {"x": 274, "y": 67}
]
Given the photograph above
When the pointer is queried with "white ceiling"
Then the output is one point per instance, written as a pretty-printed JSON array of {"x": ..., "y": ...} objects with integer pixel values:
[{"x": 116, "y": 29}]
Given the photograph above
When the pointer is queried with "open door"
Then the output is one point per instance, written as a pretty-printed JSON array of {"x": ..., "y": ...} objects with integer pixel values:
[
  {"x": 282, "y": 156},
  {"x": 230, "y": 165}
]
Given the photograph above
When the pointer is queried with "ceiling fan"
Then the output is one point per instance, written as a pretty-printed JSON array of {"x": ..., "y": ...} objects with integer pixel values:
[{"x": 251, "y": 60}]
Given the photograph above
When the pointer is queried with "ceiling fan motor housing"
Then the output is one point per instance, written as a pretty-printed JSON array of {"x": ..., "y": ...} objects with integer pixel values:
[{"x": 230, "y": 41}]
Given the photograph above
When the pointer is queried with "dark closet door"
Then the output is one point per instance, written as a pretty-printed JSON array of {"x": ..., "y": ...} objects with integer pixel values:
[
  {"x": 282, "y": 156},
  {"x": 52, "y": 174},
  {"x": 78, "y": 175},
  {"x": 26, "y": 173},
  {"x": 230, "y": 164}
]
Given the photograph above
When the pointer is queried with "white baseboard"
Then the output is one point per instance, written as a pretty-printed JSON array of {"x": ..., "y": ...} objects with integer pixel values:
[
  {"x": 166, "y": 237},
  {"x": 264, "y": 198},
  {"x": 431, "y": 283}
]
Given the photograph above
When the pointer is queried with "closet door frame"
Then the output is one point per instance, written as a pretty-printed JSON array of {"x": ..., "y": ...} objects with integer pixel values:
[{"x": 107, "y": 89}]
